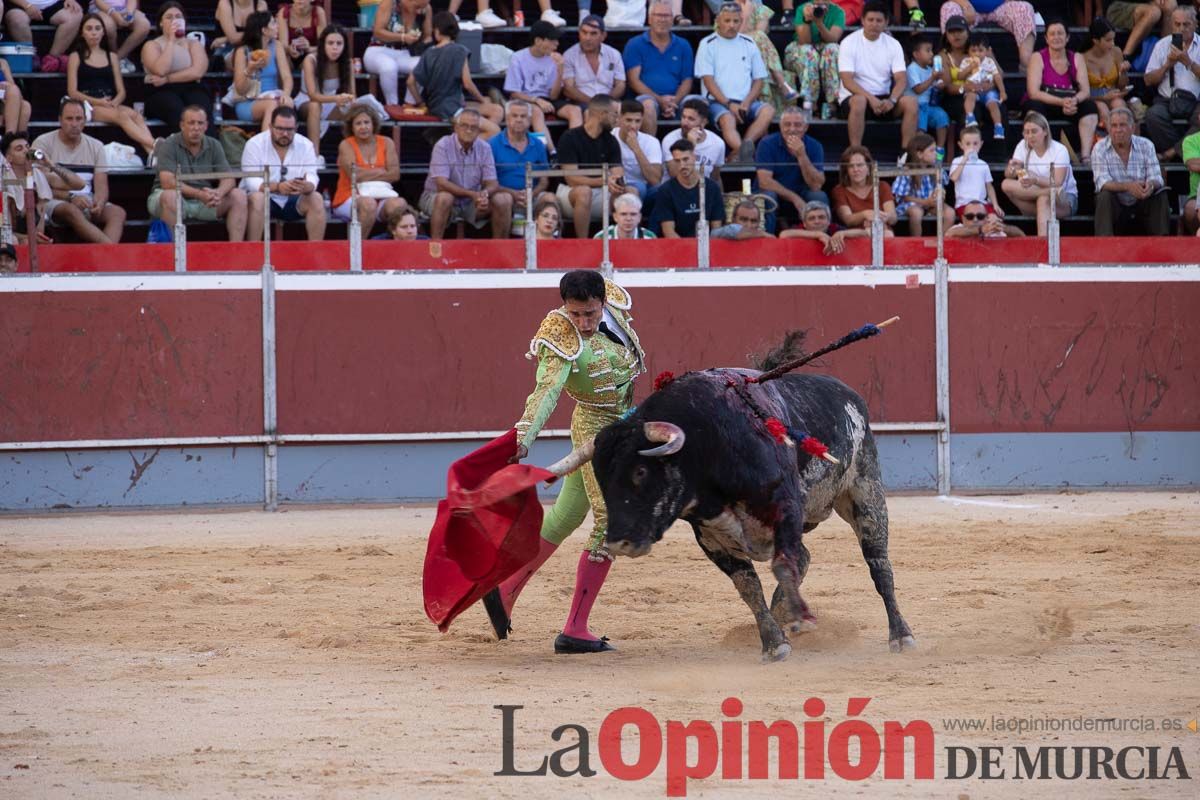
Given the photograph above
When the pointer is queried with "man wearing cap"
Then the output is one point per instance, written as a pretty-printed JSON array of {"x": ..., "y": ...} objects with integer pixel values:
[
  {"x": 731, "y": 70},
  {"x": 591, "y": 67}
]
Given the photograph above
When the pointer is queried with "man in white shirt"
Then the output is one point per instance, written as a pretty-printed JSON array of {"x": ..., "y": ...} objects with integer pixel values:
[
  {"x": 871, "y": 65},
  {"x": 80, "y": 181},
  {"x": 731, "y": 70},
  {"x": 293, "y": 184},
  {"x": 709, "y": 149},
  {"x": 641, "y": 154},
  {"x": 1173, "y": 68}
]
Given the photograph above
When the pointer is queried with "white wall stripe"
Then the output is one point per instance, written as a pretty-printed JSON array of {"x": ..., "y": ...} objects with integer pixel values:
[{"x": 776, "y": 276}]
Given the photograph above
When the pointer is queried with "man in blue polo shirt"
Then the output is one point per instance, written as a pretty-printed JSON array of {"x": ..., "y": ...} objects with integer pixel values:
[
  {"x": 732, "y": 71},
  {"x": 512, "y": 149},
  {"x": 790, "y": 164},
  {"x": 658, "y": 67}
]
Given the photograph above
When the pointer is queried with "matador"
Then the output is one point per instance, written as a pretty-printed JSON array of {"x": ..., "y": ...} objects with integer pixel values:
[{"x": 588, "y": 348}]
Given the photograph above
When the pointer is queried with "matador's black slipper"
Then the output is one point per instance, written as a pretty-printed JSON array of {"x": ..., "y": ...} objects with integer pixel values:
[
  {"x": 501, "y": 624},
  {"x": 569, "y": 645}
]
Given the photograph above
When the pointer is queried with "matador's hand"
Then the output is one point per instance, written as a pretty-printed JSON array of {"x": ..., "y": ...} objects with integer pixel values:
[{"x": 522, "y": 451}]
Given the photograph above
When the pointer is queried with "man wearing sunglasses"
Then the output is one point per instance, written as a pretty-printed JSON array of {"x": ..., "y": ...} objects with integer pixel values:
[
  {"x": 977, "y": 223},
  {"x": 292, "y": 162}
]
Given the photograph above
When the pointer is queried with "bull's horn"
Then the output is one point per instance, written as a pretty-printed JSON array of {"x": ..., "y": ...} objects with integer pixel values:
[
  {"x": 574, "y": 459},
  {"x": 671, "y": 436}
]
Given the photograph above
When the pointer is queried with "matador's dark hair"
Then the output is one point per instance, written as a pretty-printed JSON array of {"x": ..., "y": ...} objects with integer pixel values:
[{"x": 582, "y": 285}]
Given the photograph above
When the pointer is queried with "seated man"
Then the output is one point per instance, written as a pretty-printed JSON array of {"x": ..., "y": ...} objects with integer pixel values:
[
  {"x": 462, "y": 184},
  {"x": 658, "y": 67},
  {"x": 203, "y": 200},
  {"x": 709, "y": 149},
  {"x": 789, "y": 164},
  {"x": 18, "y": 168},
  {"x": 590, "y": 146},
  {"x": 292, "y": 162},
  {"x": 1175, "y": 73},
  {"x": 512, "y": 149},
  {"x": 874, "y": 77},
  {"x": 977, "y": 223},
  {"x": 641, "y": 155},
  {"x": 627, "y": 211},
  {"x": 591, "y": 67},
  {"x": 1131, "y": 199},
  {"x": 82, "y": 180},
  {"x": 816, "y": 222},
  {"x": 535, "y": 75},
  {"x": 677, "y": 204},
  {"x": 732, "y": 71},
  {"x": 747, "y": 223}
]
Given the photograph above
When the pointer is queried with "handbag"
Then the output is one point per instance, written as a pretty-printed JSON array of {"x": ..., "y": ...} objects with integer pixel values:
[{"x": 1181, "y": 103}]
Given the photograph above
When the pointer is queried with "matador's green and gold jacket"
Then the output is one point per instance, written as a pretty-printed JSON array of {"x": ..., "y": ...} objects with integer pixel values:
[{"x": 597, "y": 373}]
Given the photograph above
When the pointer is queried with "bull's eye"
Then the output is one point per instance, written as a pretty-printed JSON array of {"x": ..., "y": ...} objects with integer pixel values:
[{"x": 639, "y": 474}]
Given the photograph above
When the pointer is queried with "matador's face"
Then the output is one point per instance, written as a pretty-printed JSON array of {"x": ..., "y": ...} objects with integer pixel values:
[{"x": 585, "y": 315}]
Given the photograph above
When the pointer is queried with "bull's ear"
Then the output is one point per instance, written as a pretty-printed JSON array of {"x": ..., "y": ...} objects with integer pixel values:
[{"x": 670, "y": 435}]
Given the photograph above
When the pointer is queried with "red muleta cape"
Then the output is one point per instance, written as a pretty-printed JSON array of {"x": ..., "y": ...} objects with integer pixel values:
[{"x": 486, "y": 529}]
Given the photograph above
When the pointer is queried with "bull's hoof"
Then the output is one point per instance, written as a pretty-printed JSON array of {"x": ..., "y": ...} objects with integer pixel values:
[
  {"x": 806, "y": 623},
  {"x": 903, "y": 643},
  {"x": 570, "y": 645},
  {"x": 777, "y": 653},
  {"x": 501, "y": 624}
]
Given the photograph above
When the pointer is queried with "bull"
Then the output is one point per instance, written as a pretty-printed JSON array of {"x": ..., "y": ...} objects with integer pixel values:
[{"x": 697, "y": 450}]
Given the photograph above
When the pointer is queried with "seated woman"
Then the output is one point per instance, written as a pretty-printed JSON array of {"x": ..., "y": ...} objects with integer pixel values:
[
  {"x": 174, "y": 65},
  {"x": 231, "y": 18},
  {"x": 1014, "y": 16},
  {"x": 327, "y": 78},
  {"x": 1107, "y": 69},
  {"x": 17, "y": 110},
  {"x": 300, "y": 25},
  {"x": 262, "y": 72},
  {"x": 94, "y": 79},
  {"x": 1037, "y": 162},
  {"x": 1057, "y": 87},
  {"x": 122, "y": 15},
  {"x": 547, "y": 221},
  {"x": 852, "y": 197},
  {"x": 376, "y": 160},
  {"x": 813, "y": 55},
  {"x": 65, "y": 17},
  {"x": 403, "y": 29}
]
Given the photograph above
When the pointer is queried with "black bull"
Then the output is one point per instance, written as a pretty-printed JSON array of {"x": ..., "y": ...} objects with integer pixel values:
[{"x": 747, "y": 496}]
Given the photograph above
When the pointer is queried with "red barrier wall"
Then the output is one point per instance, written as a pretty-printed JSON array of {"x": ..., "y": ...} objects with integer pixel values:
[
  {"x": 474, "y": 254},
  {"x": 107, "y": 365},
  {"x": 132, "y": 364}
]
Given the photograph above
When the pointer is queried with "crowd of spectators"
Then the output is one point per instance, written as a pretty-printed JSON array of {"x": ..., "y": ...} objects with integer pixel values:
[{"x": 734, "y": 98}]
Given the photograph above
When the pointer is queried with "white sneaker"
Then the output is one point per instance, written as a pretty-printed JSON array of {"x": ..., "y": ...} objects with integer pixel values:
[
  {"x": 488, "y": 19},
  {"x": 127, "y": 67},
  {"x": 552, "y": 16}
]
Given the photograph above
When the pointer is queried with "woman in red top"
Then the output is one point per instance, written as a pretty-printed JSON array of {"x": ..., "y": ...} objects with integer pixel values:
[
  {"x": 300, "y": 25},
  {"x": 377, "y": 161},
  {"x": 852, "y": 197}
]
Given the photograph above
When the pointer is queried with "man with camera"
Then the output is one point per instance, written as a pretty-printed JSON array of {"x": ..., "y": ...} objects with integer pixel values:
[
  {"x": 78, "y": 176},
  {"x": 1174, "y": 68}
]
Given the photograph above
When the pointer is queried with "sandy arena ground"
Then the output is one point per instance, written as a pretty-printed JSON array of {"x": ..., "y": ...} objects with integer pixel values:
[{"x": 243, "y": 654}]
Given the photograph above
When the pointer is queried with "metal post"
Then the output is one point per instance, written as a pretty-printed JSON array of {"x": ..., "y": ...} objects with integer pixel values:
[
  {"x": 355, "y": 228},
  {"x": 876, "y": 222},
  {"x": 941, "y": 302},
  {"x": 606, "y": 267},
  {"x": 270, "y": 421},
  {"x": 530, "y": 223},
  {"x": 1053, "y": 254},
  {"x": 6, "y": 231},
  {"x": 702, "y": 260},
  {"x": 180, "y": 232},
  {"x": 30, "y": 221},
  {"x": 266, "y": 189}
]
